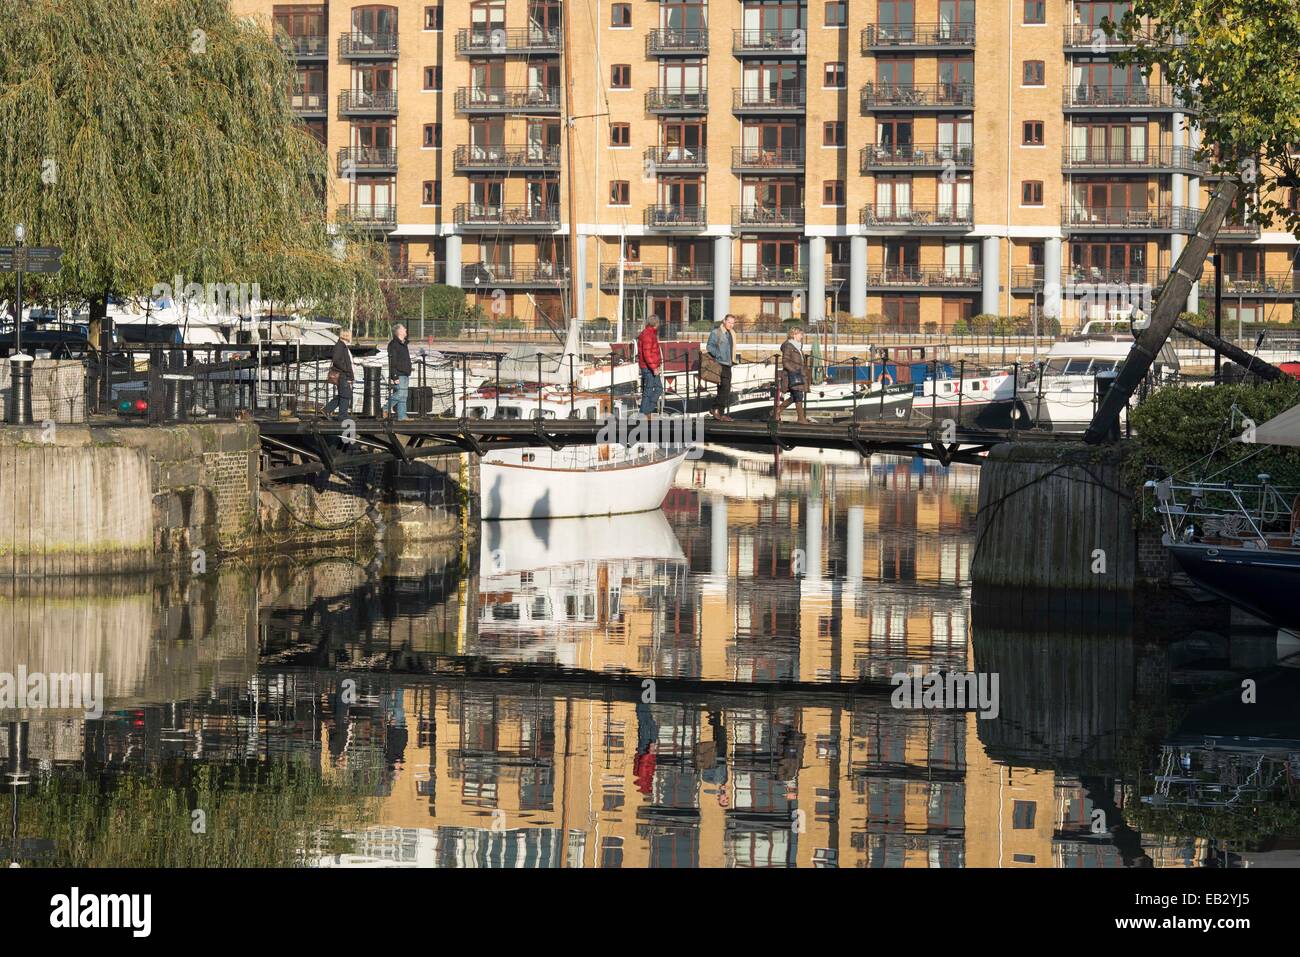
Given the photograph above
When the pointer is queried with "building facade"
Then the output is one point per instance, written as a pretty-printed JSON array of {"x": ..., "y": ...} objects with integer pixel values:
[{"x": 912, "y": 162}]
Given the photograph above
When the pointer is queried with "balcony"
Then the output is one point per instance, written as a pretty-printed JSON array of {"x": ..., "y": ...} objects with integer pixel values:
[
  {"x": 767, "y": 217},
  {"x": 769, "y": 43},
  {"x": 1280, "y": 285},
  {"x": 481, "y": 276},
  {"x": 1026, "y": 278},
  {"x": 1081, "y": 38},
  {"x": 658, "y": 100},
  {"x": 508, "y": 99},
  {"x": 676, "y": 159},
  {"x": 366, "y": 159},
  {"x": 420, "y": 274},
  {"x": 309, "y": 104},
  {"x": 1236, "y": 229},
  {"x": 502, "y": 42},
  {"x": 878, "y": 97},
  {"x": 923, "y": 278},
  {"x": 937, "y": 157},
  {"x": 917, "y": 37},
  {"x": 689, "y": 218},
  {"x": 364, "y": 103},
  {"x": 1079, "y": 281},
  {"x": 1120, "y": 159},
  {"x": 760, "y": 100},
  {"x": 373, "y": 217},
  {"x": 1166, "y": 219},
  {"x": 942, "y": 217},
  {"x": 368, "y": 46},
  {"x": 1145, "y": 99},
  {"x": 641, "y": 276},
  {"x": 770, "y": 277},
  {"x": 506, "y": 159},
  {"x": 677, "y": 43},
  {"x": 765, "y": 160},
  {"x": 518, "y": 216},
  {"x": 304, "y": 47}
]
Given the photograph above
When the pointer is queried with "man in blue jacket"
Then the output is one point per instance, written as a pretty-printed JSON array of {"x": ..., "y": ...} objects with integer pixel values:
[{"x": 722, "y": 347}]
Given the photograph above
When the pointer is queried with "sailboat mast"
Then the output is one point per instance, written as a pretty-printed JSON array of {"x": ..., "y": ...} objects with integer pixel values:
[{"x": 566, "y": 28}]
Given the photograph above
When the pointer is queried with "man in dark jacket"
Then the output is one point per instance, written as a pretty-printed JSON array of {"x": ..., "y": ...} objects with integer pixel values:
[
  {"x": 650, "y": 360},
  {"x": 341, "y": 362},
  {"x": 399, "y": 372}
]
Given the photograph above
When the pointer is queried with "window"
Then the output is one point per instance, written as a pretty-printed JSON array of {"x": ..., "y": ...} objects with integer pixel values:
[
  {"x": 1035, "y": 11},
  {"x": 833, "y": 192},
  {"x": 620, "y": 15},
  {"x": 833, "y": 133},
  {"x": 1022, "y": 815},
  {"x": 432, "y": 136},
  {"x": 620, "y": 134},
  {"x": 620, "y": 76},
  {"x": 1032, "y": 133},
  {"x": 619, "y": 193},
  {"x": 835, "y": 76},
  {"x": 433, "y": 78},
  {"x": 433, "y": 18},
  {"x": 837, "y": 13},
  {"x": 1034, "y": 73},
  {"x": 632, "y": 251},
  {"x": 431, "y": 195},
  {"x": 1031, "y": 192}
]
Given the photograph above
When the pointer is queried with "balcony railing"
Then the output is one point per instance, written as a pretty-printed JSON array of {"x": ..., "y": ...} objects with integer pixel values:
[
  {"x": 421, "y": 273},
  {"x": 658, "y": 100},
  {"x": 524, "y": 156},
  {"x": 508, "y": 99},
  {"x": 1079, "y": 280},
  {"x": 761, "y": 275},
  {"x": 314, "y": 47},
  {"x": 1080, "y": 36},
  {"x": 770, "y": 42},
  {"x": 676, "y": 217},
  {"x": 358, "y": 45},
  {"x": 1237, "y": 228},
  {"x": 366, "y": 159},
  {"x": 763, "y": 158},
  {"x": 508, "y": 215},
  {"x": 917, "y": 156},
  {"x": 674, "y": 42},
  {"x": 936, "y": 277},
  {"x": 502, "y": 42},
  {"x": 486, "y": 275},
  {"x": 1253, "y": 284},
  {"x": 639, "y": 275},
  {"x": 1139, "y": 158},
  {"x": 365, "y": 103},
  {"x": 939, "y": 216},
  {"x": 309, "y": 102},
  {"x": 1026, "y": 277},
  {"x": 675, "y": 158},
  {"x": 767, "y": 217},
  {"x": 895, "y": 96},
  {"x": 360, "y": 215},
  {"x": 1171, "y": 218},
  {"x": 881, "y": 36},
  {"x": 1084, "y": 97},
  {"x": 761, "y": 100}
]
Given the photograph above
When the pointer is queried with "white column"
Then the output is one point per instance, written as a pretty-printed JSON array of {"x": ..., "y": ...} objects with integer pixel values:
[
  {"x": 579, "y": 280},
  {"x": 718, "y": 535},
  {"x": 991, "y": 270},
  {"x": 721, "y": 277},
  {"x": 854, "y": 547},
  {"x": 816, "y": 278},
  {"x": 1052, "y": 278},
  {"x": 452, "y": 257},
  {"x": 858, "y": 277},
  {"x": 813, "y": 540}
]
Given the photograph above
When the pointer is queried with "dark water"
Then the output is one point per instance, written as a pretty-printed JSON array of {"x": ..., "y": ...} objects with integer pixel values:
[{"x": 704, "y": 687}]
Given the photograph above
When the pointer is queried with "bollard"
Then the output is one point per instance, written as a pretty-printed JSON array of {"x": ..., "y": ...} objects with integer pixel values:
[
  {"x": 370, "y": 403},
  {"x": 19, "y": 411}
]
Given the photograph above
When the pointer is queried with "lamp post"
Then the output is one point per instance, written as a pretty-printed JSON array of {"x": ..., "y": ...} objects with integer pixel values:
[{"x": 20, "y": 366}]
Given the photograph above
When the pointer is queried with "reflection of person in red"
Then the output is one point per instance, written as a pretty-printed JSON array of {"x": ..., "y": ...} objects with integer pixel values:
[
  {"x": 647, "y": 747},
  {"x": 643, "y": 767}
]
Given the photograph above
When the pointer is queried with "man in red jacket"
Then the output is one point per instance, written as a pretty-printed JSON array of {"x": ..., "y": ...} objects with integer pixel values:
[{"x": 651, "y": 362}]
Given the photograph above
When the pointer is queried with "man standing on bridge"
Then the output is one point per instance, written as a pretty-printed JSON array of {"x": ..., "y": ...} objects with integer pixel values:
[
  {"x": 722, "y": 347},
  {"x": 650, "y": 360},
  {"x": 399, "y": 372},
  {"x": 340, "y": 375}
]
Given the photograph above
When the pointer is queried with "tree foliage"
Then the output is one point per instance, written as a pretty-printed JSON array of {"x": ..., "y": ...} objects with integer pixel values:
[
  {"x": 156, "y": 138},
  {"x": 1236, "y": 65}
]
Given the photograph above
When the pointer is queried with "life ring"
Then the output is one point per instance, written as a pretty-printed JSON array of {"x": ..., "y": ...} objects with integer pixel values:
[{"x": 886, "y": 379}]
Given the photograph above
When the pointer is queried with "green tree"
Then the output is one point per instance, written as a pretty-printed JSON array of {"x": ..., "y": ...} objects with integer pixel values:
[{"x": 155, "y": 138}]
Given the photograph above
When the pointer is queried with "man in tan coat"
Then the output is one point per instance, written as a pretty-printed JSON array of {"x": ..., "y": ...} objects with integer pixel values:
[{"x": 793, "y": 373}]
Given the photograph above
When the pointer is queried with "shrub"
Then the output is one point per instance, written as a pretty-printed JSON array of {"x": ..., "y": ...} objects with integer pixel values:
[
  {"x": 931, "y": 328},
  {"x": 984, "y": 324},
  {"x": 960, "y": 328}
]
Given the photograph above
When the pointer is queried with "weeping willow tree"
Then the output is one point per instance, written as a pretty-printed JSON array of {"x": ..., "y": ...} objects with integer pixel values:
[{"x": 155, "y": 138}]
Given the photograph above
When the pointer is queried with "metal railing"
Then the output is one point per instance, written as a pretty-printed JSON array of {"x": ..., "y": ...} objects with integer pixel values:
[
  {"x": 1130, "y": 157},
  {"x": 761, "y": 157},
  {"x": 767, "y": 217},
  {"x": 676, "y": 217},
  {"x": 943, "y": 215},
  {"x": 877, "y": 96},
  {"x": 508, "y": 99},
  {"x": 1082, "y": 96},
  {"x": 361, "y": 45},
  {"x": 1176, "y": 218},
  {"x": 366, "y": 159},
  {"x": 675, "y": 157},
  {"x": 520, "y": 156},
  {"x": 760, "y": 275},
  {"x": 317, "y": 45},
  {"x": 765, "y": 100},
  {"x": 309, "y": 102},
  {"x": 876, "y": 36},
  {"x": 932, "y": 154},
  {"x": 501, "y": 41},
  {"x": 504, "y": 215},
  {"x": 940, "y": 277},
  {"x": 364, "y": 215},
  {"x": 640, "y": 275},
  {"x": 476, "y": 275},
  {"x": 769, "y": 41},
  {"x": 357, "y": 102},
  {"x": 659, "y": 100},
  {"x": 669, "y": 42}
]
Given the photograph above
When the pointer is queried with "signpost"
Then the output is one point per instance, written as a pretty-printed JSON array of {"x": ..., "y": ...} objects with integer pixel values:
[{"x": 19, "y": 259}]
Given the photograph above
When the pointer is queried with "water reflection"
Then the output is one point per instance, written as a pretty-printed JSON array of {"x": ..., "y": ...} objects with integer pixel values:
[{"x": 702, "y": 686}]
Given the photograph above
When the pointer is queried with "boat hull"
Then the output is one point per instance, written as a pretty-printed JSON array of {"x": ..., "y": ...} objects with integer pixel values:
[
  {"x": 1261, "y": 581},
  {"x": 511, "y": 491}
]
